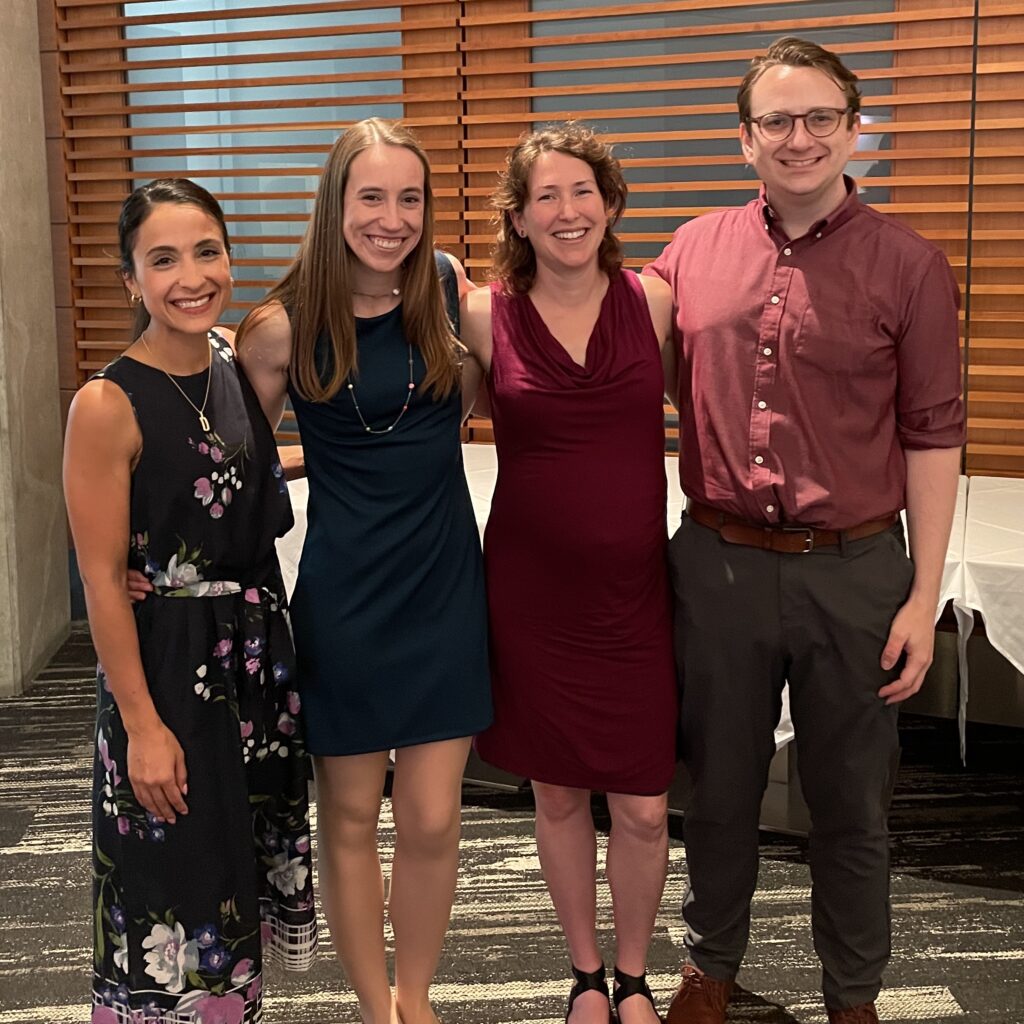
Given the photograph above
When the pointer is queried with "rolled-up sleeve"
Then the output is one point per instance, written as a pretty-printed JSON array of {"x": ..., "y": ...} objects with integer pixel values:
[{"x": 929, "y": 398}]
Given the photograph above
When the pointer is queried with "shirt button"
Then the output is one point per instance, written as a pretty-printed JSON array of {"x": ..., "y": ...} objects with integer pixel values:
[
  {"x": 769, "y": 508},
  {"x": 759, "y": 459},
  {"x": 762, "y": 405},
  {"x": 775, "y": 300},
  {"x": 767, "y": 351},
  {"x": 787, "y": 251}
]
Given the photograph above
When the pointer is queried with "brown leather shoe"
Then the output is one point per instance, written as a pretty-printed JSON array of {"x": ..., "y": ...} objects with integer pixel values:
[
  {"x": 700, "y": 999},
  {"x": 863, "y": 1014}
]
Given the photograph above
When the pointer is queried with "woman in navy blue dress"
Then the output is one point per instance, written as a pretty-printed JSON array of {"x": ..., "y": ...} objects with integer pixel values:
[{"x": 389, "y": 608}]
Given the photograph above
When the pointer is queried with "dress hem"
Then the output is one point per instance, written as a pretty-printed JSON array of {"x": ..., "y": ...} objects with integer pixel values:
[
  {"x": 549, "y": 778},
  {"x": 399, "y": 744}
]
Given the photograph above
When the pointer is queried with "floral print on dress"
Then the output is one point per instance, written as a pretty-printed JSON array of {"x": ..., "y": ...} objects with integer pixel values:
[
  {"x": 183, "y": 574},
  {"x": 217, "y": 488},
  {"x": 212, "y": 954},
  {"x": 182, "y": 923}
]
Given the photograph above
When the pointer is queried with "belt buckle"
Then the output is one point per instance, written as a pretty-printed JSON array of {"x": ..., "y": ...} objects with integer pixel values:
[{"x": 808, "y": 539}]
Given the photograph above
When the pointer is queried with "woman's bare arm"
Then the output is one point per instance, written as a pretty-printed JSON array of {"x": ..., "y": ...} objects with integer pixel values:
[
  {"x": 102, "y": 443},
  {"x": 659, "y": 302},
  {"x": 265, "y": 355},
  {"x": 475, "y": 314}
]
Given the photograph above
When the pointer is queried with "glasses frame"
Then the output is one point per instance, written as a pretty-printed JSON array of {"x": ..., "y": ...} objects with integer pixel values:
[{"x": 799, "y": 117}]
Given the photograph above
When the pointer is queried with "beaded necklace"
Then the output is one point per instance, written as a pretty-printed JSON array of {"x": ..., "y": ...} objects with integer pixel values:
[{"x": 408, "y": 398}]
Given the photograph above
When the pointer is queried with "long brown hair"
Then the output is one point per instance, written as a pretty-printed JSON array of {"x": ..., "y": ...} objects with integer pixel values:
[
  {"x": 316, "y": 290},
  {"x": 515, "y": 263}
]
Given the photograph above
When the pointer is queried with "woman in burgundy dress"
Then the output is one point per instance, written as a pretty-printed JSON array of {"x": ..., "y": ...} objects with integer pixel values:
[{"x": 575, "y": 550}]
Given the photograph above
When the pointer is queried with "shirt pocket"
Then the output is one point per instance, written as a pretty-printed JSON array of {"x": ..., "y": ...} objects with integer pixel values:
[{"x": 843, "y": 341}]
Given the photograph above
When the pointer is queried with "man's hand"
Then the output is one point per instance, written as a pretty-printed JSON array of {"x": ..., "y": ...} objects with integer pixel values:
[
  {"x": 913, "y": 633},
  {"x": 156, "y": 770}
]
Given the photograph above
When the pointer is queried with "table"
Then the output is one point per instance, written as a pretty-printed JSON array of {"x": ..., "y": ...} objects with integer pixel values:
[
  {"x": 993, "y": 566},
  {"x": 289, "y": 547},
  {"x": 994, "y": 562},
  {"x": 952, "y": 590}
]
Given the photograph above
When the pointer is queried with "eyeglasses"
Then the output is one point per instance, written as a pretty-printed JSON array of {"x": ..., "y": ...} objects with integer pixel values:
[{"x": 820, "y": 122}]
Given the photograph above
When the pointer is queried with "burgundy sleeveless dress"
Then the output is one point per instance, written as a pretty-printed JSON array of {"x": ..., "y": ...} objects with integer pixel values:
[{"x": 575, "y": 552}]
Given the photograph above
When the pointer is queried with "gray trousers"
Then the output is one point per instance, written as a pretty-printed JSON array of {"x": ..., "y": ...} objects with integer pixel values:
[{"x": 746, "y": 621}]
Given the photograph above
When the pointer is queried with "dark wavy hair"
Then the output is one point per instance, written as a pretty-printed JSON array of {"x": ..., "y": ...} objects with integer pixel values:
[
  {"x": 138, "y": 206},
  {"x": 800, "y": 53},
  {"x": 515, "y": 263}
]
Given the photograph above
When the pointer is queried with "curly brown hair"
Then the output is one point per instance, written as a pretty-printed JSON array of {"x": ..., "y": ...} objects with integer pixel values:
[{"x": 514, "y": 261}]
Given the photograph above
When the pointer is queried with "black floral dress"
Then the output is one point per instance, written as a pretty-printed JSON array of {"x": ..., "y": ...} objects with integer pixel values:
[{"x": 186, "y": 913}]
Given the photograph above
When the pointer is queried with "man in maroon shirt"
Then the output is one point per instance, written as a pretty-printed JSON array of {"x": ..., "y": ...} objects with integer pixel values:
[{"x": 819, "y": 393}]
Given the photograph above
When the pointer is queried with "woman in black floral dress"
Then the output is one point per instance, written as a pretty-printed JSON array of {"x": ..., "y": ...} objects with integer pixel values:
[{"x": 201, "y": 848}]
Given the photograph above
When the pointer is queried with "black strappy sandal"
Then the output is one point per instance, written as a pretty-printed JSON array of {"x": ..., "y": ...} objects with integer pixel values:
[
  {"x": 627, "y": 985},
  {"x": 592, "y": 982}
]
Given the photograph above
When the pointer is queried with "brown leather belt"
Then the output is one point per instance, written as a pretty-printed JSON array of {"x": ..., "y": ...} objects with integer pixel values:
[{"x": 794, "y": 540}]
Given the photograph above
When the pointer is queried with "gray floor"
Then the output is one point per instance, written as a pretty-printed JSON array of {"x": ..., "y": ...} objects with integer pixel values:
[{"x": 958, "y": 892}]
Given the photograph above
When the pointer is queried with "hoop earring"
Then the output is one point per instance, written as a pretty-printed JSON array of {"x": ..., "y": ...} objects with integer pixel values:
[{"x": 135, "y": 300}]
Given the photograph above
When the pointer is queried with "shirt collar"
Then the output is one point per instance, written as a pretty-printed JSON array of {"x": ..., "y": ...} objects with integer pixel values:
[{"x": 839, "y": 216}]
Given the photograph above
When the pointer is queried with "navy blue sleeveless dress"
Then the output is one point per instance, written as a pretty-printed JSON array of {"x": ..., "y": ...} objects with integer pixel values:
[{"x": 389, "y": 609}]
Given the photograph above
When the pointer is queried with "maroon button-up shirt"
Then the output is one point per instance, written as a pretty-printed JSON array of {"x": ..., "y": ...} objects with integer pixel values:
[{"x": 808, "y": 366}]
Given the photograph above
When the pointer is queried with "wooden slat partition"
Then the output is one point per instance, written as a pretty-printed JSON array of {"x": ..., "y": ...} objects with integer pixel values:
[{"x": 143, "y": 91}]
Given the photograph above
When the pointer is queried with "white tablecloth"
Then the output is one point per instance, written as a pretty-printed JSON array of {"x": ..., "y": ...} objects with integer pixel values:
[
  {"x": 993, "y": 563},
  {"x": 953, "y": 570},
  {"x": 289, "y": 547}
]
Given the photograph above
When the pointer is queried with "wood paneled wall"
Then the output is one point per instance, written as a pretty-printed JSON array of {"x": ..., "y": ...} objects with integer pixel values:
[{"x": 944, "y": 92}]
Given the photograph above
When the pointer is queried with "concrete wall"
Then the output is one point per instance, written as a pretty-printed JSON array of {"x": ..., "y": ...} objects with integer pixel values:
[{"x": 34, "y": 610}]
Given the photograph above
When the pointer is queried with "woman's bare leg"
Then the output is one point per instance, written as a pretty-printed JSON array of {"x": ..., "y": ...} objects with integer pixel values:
[
  {"x": 426, "y": 799},
  {"x": 567, "y": 847},
  {"x": 636, "y": 866},
  {"x": 349, "y": 791}
]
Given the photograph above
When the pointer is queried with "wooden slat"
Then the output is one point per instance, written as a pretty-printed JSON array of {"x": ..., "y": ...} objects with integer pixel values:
[
  {"x": 780, "y": 26},
  {"x": 660, "y": 8},
  {"x": 138, "y": 88},
  {"x": 298, "y": 103},
  {"x": 710, "y": 54},
  {"x": 186, "y": 17},
  {"x": 237, "y": 59},
  {"x": 261, "y": 36}
]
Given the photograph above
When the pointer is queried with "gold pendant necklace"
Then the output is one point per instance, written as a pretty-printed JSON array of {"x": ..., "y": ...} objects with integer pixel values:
[{"x": 200, "y": 411}]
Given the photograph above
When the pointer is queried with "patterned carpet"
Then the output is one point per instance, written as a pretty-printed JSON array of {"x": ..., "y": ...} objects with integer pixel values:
[{"x": 958, "y": 891}]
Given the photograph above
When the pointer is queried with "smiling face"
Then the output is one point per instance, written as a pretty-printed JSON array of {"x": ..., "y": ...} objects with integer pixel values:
[
  {"x": 801, "y": 170},
  {"x": 180, "y": 268},
  {"x": 383, "y": 214},
  {"x": 564, "y": 215}
]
